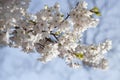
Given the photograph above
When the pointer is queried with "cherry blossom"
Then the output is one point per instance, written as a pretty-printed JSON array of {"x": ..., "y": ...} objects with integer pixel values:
[{"x": 51, "y": 34}]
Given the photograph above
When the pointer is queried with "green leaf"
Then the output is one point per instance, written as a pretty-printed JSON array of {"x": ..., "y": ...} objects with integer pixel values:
[
  {"x": 96, "y": 11},
  {"x": 57, "y": 33},
  {"x": 79, "y": 55}
]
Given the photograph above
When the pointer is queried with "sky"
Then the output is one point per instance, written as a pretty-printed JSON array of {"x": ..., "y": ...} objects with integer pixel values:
[{"x": 17, "y": 65}]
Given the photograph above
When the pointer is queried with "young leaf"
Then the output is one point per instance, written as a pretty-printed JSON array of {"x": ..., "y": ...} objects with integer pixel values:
[
  {"x": 79, "y": 55},
  {"x": 96, "y": 11}
]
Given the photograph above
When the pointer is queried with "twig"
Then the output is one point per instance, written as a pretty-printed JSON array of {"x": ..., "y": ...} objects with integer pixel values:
[{"x": 68, "y": 15}]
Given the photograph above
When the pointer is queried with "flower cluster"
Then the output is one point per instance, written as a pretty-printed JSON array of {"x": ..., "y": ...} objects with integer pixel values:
[
  {"x": 82, "y": 18},
  {"x": 52, "y": 34},
  {"x": 93, "y": 55},
  {"x": 10, "y": 12}
]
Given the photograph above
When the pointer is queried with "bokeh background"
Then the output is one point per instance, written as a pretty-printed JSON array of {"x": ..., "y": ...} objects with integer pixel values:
[{"x": 16, "y": 65}]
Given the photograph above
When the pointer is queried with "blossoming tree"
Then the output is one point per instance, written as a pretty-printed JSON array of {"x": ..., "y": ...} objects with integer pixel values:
[{"x": 52, "y": 34}]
